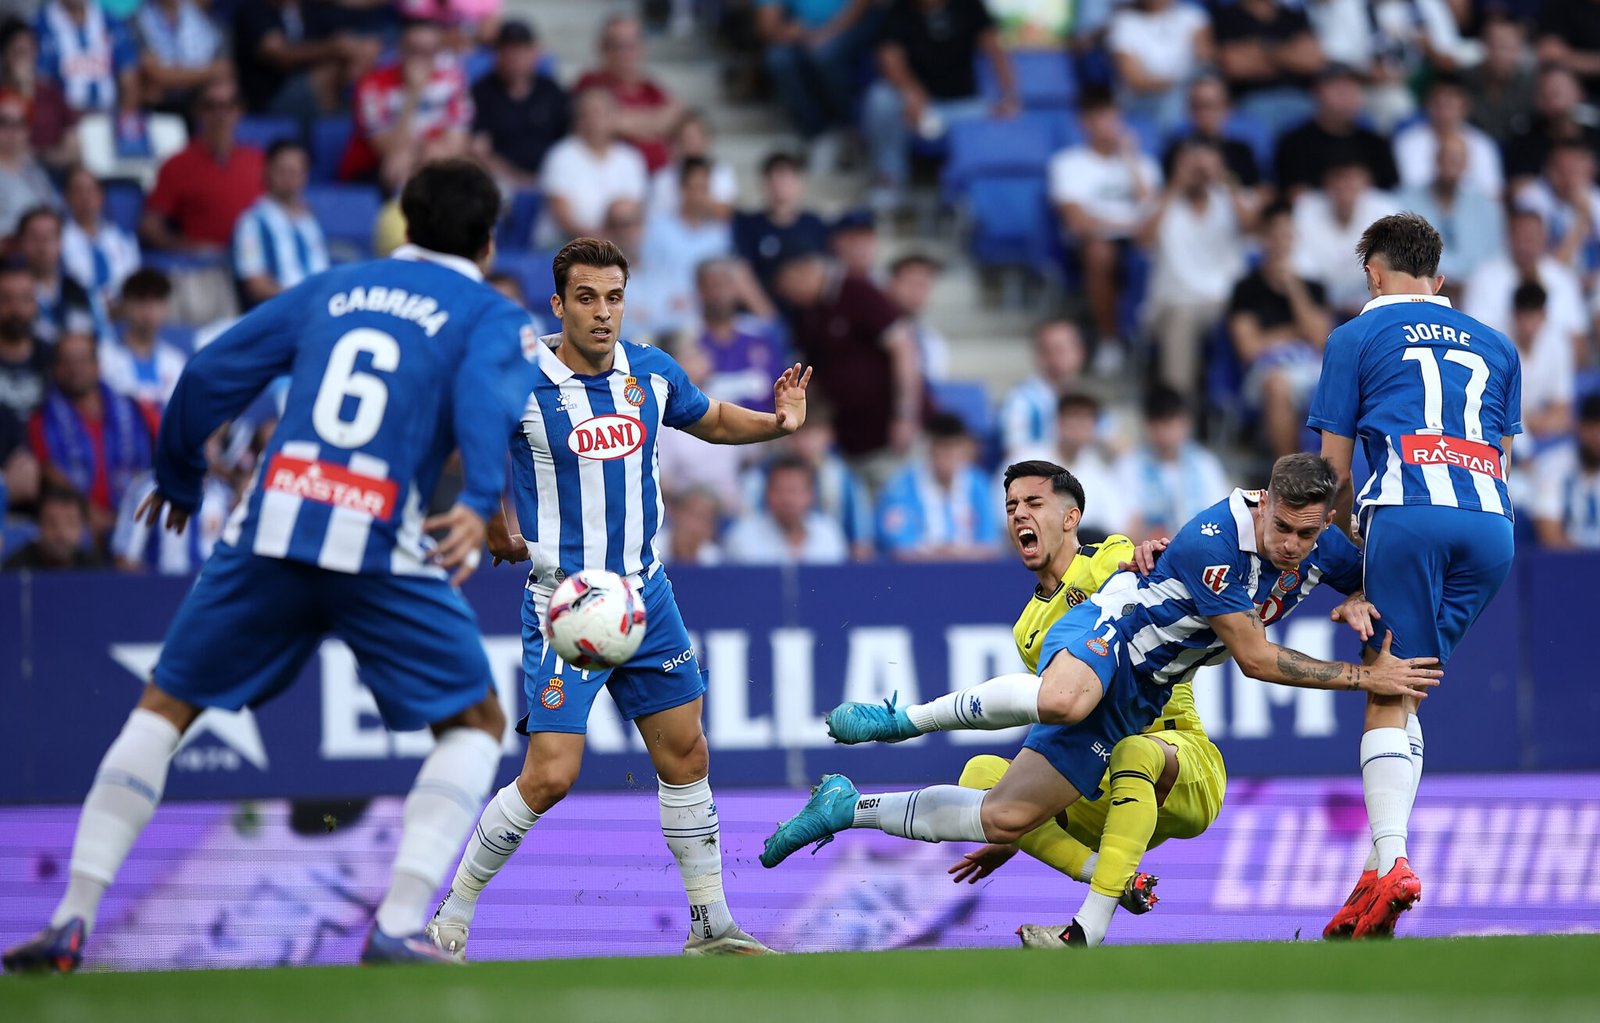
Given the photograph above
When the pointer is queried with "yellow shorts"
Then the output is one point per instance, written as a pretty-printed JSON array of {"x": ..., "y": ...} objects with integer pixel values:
[{"x": 1191, "y": 806}]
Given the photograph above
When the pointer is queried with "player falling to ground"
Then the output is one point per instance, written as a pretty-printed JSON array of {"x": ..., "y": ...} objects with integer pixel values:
[
  {"x": 1434, "y": 397},
  {"x": 587, "y": 497},
  {"x": 1166, "y": 782},
  {"x": 393, "y": 364},
  {"x": 1108, "y": 666}
]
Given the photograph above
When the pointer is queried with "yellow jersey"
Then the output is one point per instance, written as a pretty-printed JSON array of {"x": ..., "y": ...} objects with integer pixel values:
[{"x": 1093, "y": 565}]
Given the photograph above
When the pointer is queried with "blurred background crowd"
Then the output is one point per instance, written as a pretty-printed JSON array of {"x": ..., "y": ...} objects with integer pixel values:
[{"x": 1112, "y": 234}]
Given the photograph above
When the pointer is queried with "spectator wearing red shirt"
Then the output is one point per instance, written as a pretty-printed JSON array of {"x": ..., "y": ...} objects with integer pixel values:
[
  {"x": 86, "y": 436},
  {"x": 646, "y": 115},
  {"x": 204, "y": 187},
  {"x": 422, "y": 98}
]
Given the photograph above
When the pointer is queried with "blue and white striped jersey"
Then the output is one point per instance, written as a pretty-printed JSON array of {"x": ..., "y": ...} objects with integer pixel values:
[
  {"x": 1428, "y": 392},
  {"x": 1211, "y": 568},
  {"x": 584, "y": 464},
  {"x": 393, "y": 364},
  {"x": 286, "y": 245}
]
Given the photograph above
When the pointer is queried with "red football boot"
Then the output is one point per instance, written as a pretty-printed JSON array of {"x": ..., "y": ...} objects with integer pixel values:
[
  {"x": 1392, "y": 894},
  {"x": 1344, "y": 921}
]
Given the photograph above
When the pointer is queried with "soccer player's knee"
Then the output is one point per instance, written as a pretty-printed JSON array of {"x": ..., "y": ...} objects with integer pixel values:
[
  {"x": 1006, "y": 821},
  {"x": 682, "y": 759},
  {"x": 486, "y": 716},
  {"x": 1138, "y": 755},
  {"x": 545, "y": 786},
  {"x": 983, "y": 772}
]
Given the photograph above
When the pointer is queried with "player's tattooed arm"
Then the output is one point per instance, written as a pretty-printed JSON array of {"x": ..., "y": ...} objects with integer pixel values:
[{"x": 1246, "y": 639}]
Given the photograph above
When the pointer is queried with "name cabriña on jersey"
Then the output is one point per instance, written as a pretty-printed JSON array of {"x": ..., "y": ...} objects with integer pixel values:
[
  {"x": 392, "y": 365},
  {"x": 1437, "y": 393}
]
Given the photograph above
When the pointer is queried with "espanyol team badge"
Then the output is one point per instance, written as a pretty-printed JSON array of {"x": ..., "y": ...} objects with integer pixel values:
[
  {"x": 632, "y": 393},
  {"x": 553, "y": 696}
]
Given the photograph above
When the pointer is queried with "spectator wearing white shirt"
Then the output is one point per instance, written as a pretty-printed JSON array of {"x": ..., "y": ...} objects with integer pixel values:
[
  {"x": 689, "y": 536},
  {"x": 1158, "y": 47},
  {"x": 692, "y": 137},
  {"x": 660, "y": 306},
  {"x": 138, "y": 363},
  {"x": 941, "y": 506},
  {"x": 1566, "y": 504},
  {"x": 181, "y": 50},
  {"x": 1170, "y": 478},
  {"x": 95, "y": 252},
  {"x": 1028, "y": 412},
  {"x": 788, "y": 529},
  {"x": 588, "y": 171},
  {"x": 1472, "y": 224},
  {"x": 1415, "y": 148},
  {"x": 1489, "y": 290},
  {"x": 696, "y": 230},
  {"x": 910, "y": 285},
  {"x": 137, "y": 546},
  {"x": 1079, "y": 450},
  {"x": 1103, "y": 191},
  {"x": 24, "y": 184},
  {"x": 687, "y": 462},
  {"x": 841, "y": 495},
  {"x": 1549, "y": 385},
  {"x": 1327, "y": 225},
  {"x": 1196, "y": 236},
  {"x": 277, "y": 242},
  {"x": 1568, "y": 199}
]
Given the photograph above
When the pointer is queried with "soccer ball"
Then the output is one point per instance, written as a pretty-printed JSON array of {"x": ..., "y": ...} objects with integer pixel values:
[{"x": 596, "y": 620}]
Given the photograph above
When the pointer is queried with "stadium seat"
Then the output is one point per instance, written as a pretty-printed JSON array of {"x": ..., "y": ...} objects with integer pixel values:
[
  {"x": 1012, "y": 224},
  {"x": 478, "y": 62},
  {"x": 515, "y": 232},
  {"x": 330, "y": 137},
  {"x": 124, "y": 203},
  {"x": 1588, "y": 383},
  {"x": 532, "y": 271},
  {"x": 993, "y": 147},
  {"x": 262, "y": 132},
  {"x": 346, "y": 214},
  {"x": 1045, "y": 80},
  {"x": 967, "y": 399}
]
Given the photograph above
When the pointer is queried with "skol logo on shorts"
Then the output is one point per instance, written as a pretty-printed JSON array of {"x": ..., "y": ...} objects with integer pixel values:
[
  {"x": 606, "y": 437},
  {"x": 553, "y": 696},
  {"x": 632, "y": 393}
]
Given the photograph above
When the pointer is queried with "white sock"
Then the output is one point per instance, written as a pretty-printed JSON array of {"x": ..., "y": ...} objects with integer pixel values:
[
  {"x": 120, "y": 803},
  {"x": 998, "y": 703},
  {"x": 1414, "y": 737},
  {"x": 1094, "y": 916},
  {"x": 689, "y": 824},
  {"x": 1387, "y": 777},
  {"x": 939, "y": 813},
  {"x": 499, "y": 832},
  {"x": 449, "y": 788},
  {"x": 1087, "y": 872}
]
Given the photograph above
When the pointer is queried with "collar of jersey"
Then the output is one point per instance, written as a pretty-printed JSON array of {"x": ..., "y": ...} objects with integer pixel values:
[
  {"x": 559, "y": 372},
  {"x": 1383, "y": 300},
  {"x": 464, "y": 267},
  {"x": 1239, "y": 504}
]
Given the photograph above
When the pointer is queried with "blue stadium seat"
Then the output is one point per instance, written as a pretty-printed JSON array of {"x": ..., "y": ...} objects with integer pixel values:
[
  {"x": 967, "y": 399},
  {"x": 532, "y": 271},
  {"x": 179, "y": 336},
  {"x": 1012, "y": 224},
  {"x": 346, "y": 214},
  {"x": 1588, "y": 383},
  {"x": 262, "y": 132},
  {"x": 1045, "y": 79},
  {"x": 1254, "y": 133},
  {"x": 124, "y": 203},
  {"x": 478, "y": 62},
  {"x": 330, "y": 136},
  {"x": 993, "y": 147},
  {"x": 515, "y": 231}
]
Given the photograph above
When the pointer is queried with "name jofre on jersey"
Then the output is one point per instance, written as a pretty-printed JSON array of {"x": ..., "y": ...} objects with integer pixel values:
[{"x": 606, "y": 437}]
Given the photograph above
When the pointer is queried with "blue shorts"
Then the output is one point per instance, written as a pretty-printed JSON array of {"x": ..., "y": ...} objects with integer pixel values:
[
  {"x": 1081, "y": 751},
  {"x": 1430, "y": 571},
  {"x": 248, "y": 626},
  {"x": 663, "y": 674}
]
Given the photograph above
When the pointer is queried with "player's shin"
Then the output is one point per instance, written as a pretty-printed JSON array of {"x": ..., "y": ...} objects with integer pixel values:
[
  {"x": 1387, "y": 780},
  {"x": 450, "y": 787},
  {"x": 689, "y": 825},
  {"x": 121, "y": 802},
  {"x": 1130, "y": 821},
  {"x": 504, "y": 822},
  {"x": 939, "y": 813},
  {"x": 1003, "y": 702}
]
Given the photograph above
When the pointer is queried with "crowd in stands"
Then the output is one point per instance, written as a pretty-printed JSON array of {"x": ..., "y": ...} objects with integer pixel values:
[{"x": 1192, "y": 179}]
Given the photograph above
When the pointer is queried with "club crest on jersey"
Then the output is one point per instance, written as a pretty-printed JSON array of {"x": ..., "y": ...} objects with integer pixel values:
[
  {"x": 553, "y": 695},
  {"x": 1215, "y": 577},
  {"x": 632, "y": 393},
  {"x": 1099, "y": 646},
  {"x": 606, "y": 437}
]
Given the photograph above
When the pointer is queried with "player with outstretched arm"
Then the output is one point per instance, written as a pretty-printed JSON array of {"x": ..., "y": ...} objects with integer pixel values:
[
  {"x": 584, "y": 476},
  {"x": 1434, "y": 397},
  {"x": 393, "y": 365},
  {"x": 1107, "y": 668}
]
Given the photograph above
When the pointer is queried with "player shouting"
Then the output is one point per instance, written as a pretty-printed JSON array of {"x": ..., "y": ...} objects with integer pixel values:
[
  {"x": 1434, "y": 397},
  {"x": 393, "y": 364},
  {"x": 584, "y": 475},
  {"x": 1166, "y": 782},
  {"x": 1108, "y": 666}
]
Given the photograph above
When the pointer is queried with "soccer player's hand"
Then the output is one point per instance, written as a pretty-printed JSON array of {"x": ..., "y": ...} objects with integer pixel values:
[
  {"x": 1144, "y": 556},
  {"x": 1358, "y": 613},
  {"x": 789, "y": 398},
  {"x": 1399, "y": 676},
  {"x": 149, "y": 513},
  {"x": 505, "y": 545},
  {"x": 980, "y": 863},
  {"x": 461, "y": 547}
]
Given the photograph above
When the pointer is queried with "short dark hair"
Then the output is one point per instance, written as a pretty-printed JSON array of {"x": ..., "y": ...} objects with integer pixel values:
[
  {"x": 34, "y": 213},
  {"x": 1061, "y": 481},
  {"x": 1302, "y": 480},
  {"x": 1078, "y": 401},
  {"x": 146, "y": 283},
  {"x": 791, "y": 463},
  {"x": 1405, "y": 241},
  {"x": 60, "y": 493},
  {"x": 1095, "y": 97},
  {"x": 1162, "y": 403},
  {"x": 914, "y": 259},
  {"x": 499, "y": 277},
  {"x": 451, "y": 206},
  {"x": 1589, "y": 409},
  {"x": 781, "y": 160},
  {"x": 692, "y": 165},
  {"x": 1529, "y": 296},
  {"x": 946, "y": 426},
  {"x": 593, "y": 252},
  {"x": 281, "y": 146},
  {"x": 1275, "y": 209}
]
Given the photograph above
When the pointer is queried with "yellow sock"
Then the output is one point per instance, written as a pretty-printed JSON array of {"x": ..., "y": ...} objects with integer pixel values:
[
  {"x": 1048, "y": 843},
  {"x": 1136, "y": 763}
]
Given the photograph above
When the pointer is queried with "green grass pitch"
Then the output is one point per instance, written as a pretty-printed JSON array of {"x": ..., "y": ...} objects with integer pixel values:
[{"x": 1548, "y": 979}]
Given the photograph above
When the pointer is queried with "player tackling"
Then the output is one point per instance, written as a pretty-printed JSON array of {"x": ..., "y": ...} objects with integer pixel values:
[
  {"x": 1434, "y": 397},
  {"x": 393, "y": 364},
  {"x": 587, "y": 497}
]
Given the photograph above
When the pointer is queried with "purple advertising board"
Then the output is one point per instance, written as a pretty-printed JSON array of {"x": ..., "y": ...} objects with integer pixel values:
[{"x": 215, "y": 884}]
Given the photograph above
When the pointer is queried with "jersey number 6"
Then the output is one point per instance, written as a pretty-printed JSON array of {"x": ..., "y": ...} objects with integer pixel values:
[{"x": 342, "y": 381}]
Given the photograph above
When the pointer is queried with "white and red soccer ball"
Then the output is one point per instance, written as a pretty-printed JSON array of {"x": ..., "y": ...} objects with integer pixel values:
[{"x": 596, "y": 620}]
